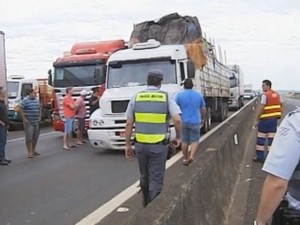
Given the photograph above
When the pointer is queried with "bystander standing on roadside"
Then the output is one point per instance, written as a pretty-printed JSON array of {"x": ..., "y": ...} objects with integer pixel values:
[
  {"x": 81, "y": 114},
  {"x": 31, "y": 113},
  {"x": 269, "y": 111},
  {"x": 94, "y": 100},
  {"x": 3, "y": 128},
  {"x": 69, "y": 107},
  {"x": 193, "y": 109}
]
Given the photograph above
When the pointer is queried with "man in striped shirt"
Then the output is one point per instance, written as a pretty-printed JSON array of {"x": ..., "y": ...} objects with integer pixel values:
[{"x": 31, "y": 112}]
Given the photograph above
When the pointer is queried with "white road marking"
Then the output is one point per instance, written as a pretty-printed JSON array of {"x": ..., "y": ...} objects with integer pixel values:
[
  {"x": 107, "y": 208},
  {"x": 23, "y": 138}
]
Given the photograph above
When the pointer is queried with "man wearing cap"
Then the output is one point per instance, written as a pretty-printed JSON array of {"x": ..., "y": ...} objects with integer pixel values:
[
  {"x": 150, "y": 111},
  {"x": 81, "y": 114},
  {"x": 193, "y": 109}
]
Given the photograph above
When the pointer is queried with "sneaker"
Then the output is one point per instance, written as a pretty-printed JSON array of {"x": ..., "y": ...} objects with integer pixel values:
[{"x": 3, "y": 163}]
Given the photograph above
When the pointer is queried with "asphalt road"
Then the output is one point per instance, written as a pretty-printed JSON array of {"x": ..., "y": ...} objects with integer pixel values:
[
  {"x": 257, "y": 176},
  {"x": 59, "y": 187}
]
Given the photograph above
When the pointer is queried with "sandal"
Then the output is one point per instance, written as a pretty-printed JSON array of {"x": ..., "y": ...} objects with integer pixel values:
[
  {"x": 74, "y": 146},
  {"x": 185, "y": 162},
  {"x": 190, "y": 160},
  {"x": 66, "y": 148}
]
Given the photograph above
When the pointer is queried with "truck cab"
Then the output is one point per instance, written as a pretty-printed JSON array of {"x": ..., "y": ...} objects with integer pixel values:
[
  {"x": 236, "y": 100},
  {"x": 83, "y": 68},
  {"x": 17, "y": 87},
  {"x": 127, "y": 72}
]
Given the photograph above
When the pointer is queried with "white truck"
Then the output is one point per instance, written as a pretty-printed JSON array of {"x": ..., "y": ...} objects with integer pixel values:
[
  {"x": 3, "y": 77},
  {"x": 17, "y": 88},
  {"x": 248, "y": 92},
  {"x": 127, "y": 73},
  {"x": 236, "y": 100}
]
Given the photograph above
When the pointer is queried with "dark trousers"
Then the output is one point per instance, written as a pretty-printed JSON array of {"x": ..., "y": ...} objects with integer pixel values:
[
  {"x": 152, "y": 164},
  {"x": 3, "y": 136}
]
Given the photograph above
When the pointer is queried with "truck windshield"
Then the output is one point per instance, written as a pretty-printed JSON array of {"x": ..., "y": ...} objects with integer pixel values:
[
  {"x": 134, "y": 73},
  {"x": 76, "y": 76},
  {"x": 12, "y": 89}
]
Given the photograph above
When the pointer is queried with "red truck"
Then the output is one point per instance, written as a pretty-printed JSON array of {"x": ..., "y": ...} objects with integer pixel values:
[{"x": 83, "y": 68}]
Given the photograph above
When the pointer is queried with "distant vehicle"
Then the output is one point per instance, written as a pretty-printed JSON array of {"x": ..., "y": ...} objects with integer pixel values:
[
  {"x": 236, "y": 100},
  {"x": 17, "y": 88},
  {"x": 248, "y": 92},
  {"x": 3, "y": 77},
  {"x": 82, "y": 68}
]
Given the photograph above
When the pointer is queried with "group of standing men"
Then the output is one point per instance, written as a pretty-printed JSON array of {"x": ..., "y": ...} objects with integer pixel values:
[
  {"x": 77, "y": 109},
  {"x": 30, "y": 109}
]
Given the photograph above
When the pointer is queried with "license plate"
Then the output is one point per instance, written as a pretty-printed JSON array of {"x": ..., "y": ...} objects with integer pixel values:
[{"x": 122, "y": 133}]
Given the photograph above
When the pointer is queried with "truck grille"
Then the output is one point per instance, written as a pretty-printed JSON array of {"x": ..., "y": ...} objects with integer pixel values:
[{"x": 119, "y": 106}]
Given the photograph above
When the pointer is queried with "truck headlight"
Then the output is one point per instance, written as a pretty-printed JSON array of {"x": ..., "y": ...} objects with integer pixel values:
[{"x": 97, "y": 123}]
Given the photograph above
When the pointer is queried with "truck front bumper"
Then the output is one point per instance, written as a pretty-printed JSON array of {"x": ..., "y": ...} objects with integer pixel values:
[{"x": 113, "y": 139}]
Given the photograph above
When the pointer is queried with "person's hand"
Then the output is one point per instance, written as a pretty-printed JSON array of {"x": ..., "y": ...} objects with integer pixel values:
[
  {"x": 129, "y": 153},
  {"x": 2, "y": 123},
  {"x": 201, "y": 124},
  {"x": 255, "y": 124},
  {"x": 175, "y": 143}
]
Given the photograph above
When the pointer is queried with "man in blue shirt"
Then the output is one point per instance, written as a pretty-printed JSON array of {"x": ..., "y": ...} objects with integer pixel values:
[
  {"x": 31, "y": 113},
  {"x": 193, "y": 109}
]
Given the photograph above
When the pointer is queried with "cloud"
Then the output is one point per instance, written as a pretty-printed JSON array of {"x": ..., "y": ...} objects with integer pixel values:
[{"x": 261, "y": 36}]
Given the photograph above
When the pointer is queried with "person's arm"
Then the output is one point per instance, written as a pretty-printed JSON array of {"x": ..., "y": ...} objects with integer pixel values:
[
  {"x": 261, "y": 107},
  {"x": 41, "y": 111},
  {"x": 22, "y": 107},
  {"x": 96, "y": 101},
  {"x": 281, "y": 105},
  {"x": 281, "y": 162},
  {"x": 2, "y": 123},
  {"x": 202, "y": 109},
  {"x": 128, "y": 130},
  {"x": 273, "y": 191},
  {"x": 175, "y": 116},
  {"x": 70, "y": 103}
]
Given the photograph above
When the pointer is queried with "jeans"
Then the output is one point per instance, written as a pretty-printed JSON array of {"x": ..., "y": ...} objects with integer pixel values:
[{"x": 3, "y": 136}]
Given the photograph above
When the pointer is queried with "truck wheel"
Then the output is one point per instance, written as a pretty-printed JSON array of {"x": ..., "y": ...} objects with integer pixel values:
[
  {"x": 222, "y": 112},
  {"x": 207, "y": 124},
  {"x": 226, "y": 110}
]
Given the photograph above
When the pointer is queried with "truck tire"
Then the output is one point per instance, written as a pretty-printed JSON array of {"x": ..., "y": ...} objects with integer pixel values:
[
  {"x": 207, "y": 123},
  {"x": 222, "y": 112}
]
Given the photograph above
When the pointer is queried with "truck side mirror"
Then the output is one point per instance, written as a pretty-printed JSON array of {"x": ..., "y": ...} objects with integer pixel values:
[
  {"x": 50, "y": 77},
  {"x": 190, "y": 69}
]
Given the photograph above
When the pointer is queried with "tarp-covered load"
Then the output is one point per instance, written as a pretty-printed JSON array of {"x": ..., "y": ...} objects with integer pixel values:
[{"x": 173, "y": 29}]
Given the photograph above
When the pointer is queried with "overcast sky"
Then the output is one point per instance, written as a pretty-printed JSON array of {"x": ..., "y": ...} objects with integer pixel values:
[{"x": 263, "y": 37}]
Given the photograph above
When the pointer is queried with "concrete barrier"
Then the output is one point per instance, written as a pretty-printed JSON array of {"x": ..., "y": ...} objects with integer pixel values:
[{"x": 199, "y": 194}]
